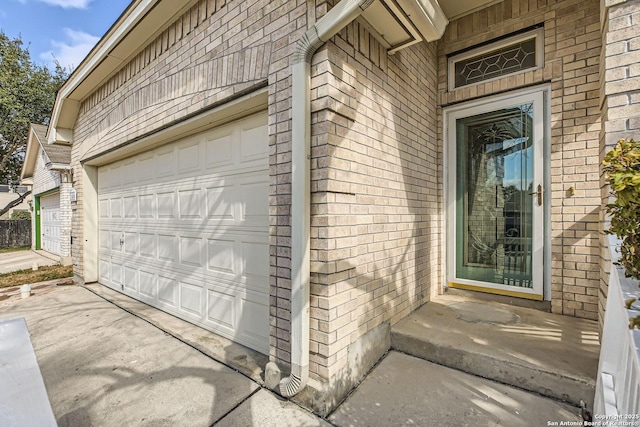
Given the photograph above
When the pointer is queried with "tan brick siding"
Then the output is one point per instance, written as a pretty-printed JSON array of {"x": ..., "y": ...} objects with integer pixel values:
[
  {"x": 572, "y": 52},
  {"x": 376, "y": 192}
]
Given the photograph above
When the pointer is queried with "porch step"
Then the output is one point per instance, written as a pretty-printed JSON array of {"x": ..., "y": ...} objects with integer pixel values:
[{"x": 549, "y": 354}]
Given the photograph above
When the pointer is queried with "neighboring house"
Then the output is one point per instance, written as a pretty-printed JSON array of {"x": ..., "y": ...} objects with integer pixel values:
[
  {"x": 298, "y": 177},
  {"x": 47, "y": 169},
  {"x": 9, "y": 194}
]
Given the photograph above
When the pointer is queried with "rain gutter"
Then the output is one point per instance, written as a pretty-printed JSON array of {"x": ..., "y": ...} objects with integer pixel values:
[{"x": 335, "y": 20}]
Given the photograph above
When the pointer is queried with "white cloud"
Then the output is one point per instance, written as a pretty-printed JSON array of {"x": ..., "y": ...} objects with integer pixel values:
[
  {"x": 72, "y": 51},
  {"x": 68, "y": 4}
]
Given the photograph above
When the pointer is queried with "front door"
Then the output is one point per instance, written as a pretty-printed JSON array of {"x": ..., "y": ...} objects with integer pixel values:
[{"x": 495, "y": 195}]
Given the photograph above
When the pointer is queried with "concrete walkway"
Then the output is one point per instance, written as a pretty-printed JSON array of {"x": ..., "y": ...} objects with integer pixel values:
[
  {"x": 104, "y": 365},
  {"x": 556, "y": 356},
  {"x": 404, "y": 390},
  {"x": 24, "y": 260}
]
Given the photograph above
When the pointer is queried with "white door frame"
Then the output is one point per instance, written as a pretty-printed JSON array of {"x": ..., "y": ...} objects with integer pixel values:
[{"x": 540, "y": 96}]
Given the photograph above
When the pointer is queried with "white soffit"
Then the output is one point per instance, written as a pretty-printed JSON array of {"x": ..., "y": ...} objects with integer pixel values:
[
  {"x": 401, "y": 23},
  {"x": 455, "y": 9}
]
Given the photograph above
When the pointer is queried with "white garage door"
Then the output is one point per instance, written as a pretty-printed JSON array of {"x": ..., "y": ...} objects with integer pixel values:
[
  {"x": 185, "y": 228},
  {"x": 50, "y": 223}
]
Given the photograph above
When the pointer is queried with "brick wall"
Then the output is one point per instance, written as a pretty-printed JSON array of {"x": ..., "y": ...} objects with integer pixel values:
[
  {"x": 65, "y": 221},
  {"x": 376, "y": 192},
  {"x": 572, "y": 52},
  {"x": 619, "y": 94},
  {"x": 376, "y": 200}
]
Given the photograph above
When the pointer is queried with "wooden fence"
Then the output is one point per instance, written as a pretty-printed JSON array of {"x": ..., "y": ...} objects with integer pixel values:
[{"x": 14, "y": 233}]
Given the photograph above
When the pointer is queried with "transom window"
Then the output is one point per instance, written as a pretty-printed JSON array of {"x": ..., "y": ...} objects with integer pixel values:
[{"x": 509, "y": 56}]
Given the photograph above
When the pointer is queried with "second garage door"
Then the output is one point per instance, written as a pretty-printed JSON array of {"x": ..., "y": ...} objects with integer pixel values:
[
  {"x": 50, "y": 223},
  {"x": 185, "y": 228}
]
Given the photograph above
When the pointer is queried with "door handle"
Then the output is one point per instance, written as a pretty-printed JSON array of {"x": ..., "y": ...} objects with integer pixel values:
[{"x": 539, "y": 194}]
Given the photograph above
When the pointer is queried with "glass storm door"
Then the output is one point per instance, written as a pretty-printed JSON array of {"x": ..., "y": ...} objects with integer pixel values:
[{"x": 495, "y": 196}]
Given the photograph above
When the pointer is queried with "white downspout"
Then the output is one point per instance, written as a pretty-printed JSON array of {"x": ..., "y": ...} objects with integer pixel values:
[{"x": 335, "y": 20}]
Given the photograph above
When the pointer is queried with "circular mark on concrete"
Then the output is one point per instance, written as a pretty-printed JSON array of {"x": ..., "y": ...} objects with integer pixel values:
[{"x": 475, "y": 312}]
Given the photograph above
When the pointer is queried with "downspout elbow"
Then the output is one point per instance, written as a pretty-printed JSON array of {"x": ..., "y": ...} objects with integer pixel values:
[{"x": 296, "y": 381}]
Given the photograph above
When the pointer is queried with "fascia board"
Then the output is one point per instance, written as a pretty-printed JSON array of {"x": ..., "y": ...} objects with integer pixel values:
[{"x": 31, "y": 155}]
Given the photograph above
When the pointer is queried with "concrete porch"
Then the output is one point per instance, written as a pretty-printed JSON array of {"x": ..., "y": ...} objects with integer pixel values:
[{"x": 528, "y": 348}]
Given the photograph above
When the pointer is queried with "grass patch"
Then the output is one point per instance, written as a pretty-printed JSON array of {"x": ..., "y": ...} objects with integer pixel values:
[
  {"x": 16, "y": 249},
  {"x": 43, "y": 274}
]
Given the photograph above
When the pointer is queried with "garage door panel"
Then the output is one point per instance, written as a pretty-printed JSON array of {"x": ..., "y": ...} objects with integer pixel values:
[
  {"x": 131, "y": 243},
  {"x": 128, "y": 172},
  {"x": 167, "y": 248},
  {"x": 145, "y": 168},
  {"x": 104, "y": 239},
  {"x": 148, "y": 284},
  {"x": 191, "y": 251},
  {"x": 218, "y": 149},
  {"x": 130, "y": 207},
  {"x": 256, "y": 270},
  {"x": 147, "y": 206},
  {"x": 165, "y": 163},
  {"x": 103, "y": 207},
  {"x": 131, "y": 279},
  {"x": 189, "y": 157},
  {"x": 148, "y": 245},
  {"x": 191, "y": 299},
  {"x": 221, "y": 312},
  {"x": 189, "y": 227},
  {"x": 115, "y": 207},
  {"x": 116, "y": 274},
  {"x": 220, "y": 203},
  {"x": 255, "y": 205},
  {"x": 221, "y": 256},
  {"x": 104, "y": 269},
  {"x": 50, "y": 224},
  {"x": 231, "y": 271},
  {"x": 166, "y": 205},
  {"x": 190, "y": 204},
  {"x": 114, "y": 239},
  {"x": 167, "y": 290},
  {"x": 211, "y": 259},
  {"x": 254, "y": 145},
  {"x": 251, "y": 327}
]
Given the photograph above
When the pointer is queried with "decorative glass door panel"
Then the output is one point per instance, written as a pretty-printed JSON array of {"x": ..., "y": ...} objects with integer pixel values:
[{"x": 495, "y": 196}]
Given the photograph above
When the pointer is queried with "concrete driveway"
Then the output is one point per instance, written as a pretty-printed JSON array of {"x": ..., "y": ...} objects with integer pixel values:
[
  {"x": 108, "y": 360},
  {"x": 23, "y": 260},
  {"x": 104, "y": 366}
]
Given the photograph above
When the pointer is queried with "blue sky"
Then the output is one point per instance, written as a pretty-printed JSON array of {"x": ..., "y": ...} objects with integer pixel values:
[{"x": 64, "y": 29}]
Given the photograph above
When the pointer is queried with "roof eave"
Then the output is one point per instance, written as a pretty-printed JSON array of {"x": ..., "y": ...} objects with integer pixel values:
[
  {"x": 31, "y": 155},
  {"x": 138, "y": 23}
]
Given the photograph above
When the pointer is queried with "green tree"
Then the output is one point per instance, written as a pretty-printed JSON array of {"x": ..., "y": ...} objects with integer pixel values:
[{"x": 27, "y": 93}]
